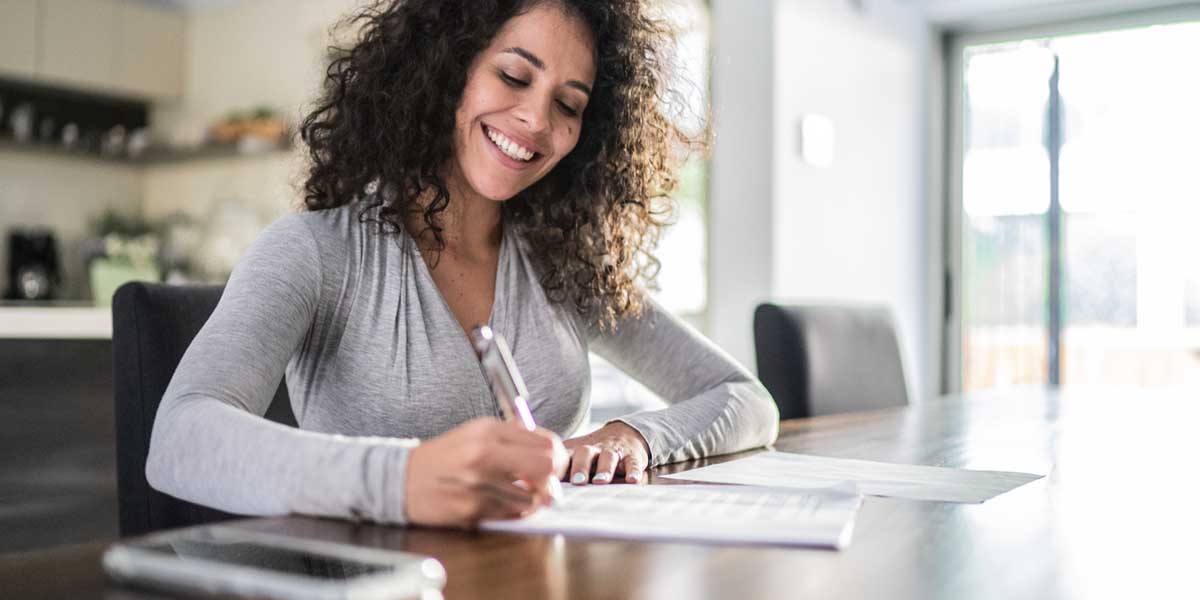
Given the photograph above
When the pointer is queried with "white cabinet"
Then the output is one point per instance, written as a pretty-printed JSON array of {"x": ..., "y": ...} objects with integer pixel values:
[
  {"x": 126, "y": 47},
  {"x": 18, "y": 37},
  {"x": 79, "y": 42},
  {"x": 150, "y": 44}
]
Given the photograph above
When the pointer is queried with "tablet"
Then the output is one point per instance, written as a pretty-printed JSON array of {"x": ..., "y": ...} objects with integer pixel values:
[{"x": 222, "y": 560}]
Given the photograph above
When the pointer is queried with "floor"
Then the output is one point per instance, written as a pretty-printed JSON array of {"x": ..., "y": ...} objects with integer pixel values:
[{"x": 57, "y": 443}]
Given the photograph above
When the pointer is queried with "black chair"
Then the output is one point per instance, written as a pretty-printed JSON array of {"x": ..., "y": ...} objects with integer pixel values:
[
  {"x": 153, "y": 325},
  {"x": 826, "y": 359}
]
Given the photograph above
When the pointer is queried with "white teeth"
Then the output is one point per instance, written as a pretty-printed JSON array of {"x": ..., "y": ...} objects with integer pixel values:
[{"x": 509, "y": 147}]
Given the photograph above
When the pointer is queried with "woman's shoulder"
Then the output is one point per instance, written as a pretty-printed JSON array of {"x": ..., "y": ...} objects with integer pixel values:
[
  {"x": 328, "y": 242},
  {"x": 299, "y": 241},
  {"x": 327, "y": 231},
  {"x": 328, "y": 223}
]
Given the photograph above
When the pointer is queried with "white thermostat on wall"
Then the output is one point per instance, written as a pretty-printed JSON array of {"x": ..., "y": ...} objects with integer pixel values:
[{"x": 816, "y": 140}]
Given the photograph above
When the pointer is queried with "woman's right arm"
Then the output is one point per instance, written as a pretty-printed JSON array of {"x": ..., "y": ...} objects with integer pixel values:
[{"x": 210, "y": 444}]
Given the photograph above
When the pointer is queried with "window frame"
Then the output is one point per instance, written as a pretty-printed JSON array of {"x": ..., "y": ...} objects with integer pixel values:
[{"x": 954, "y": 47}]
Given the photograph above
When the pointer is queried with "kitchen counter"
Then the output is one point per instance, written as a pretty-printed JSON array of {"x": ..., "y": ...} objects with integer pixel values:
[{"x": 54, "y": 320}]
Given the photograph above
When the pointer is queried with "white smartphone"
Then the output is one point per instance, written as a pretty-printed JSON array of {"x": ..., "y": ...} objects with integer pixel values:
[{"x": 223, "y": 560}]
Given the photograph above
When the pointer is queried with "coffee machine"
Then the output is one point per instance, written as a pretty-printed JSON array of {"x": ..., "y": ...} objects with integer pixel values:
[{"x": 33, "y": 267}]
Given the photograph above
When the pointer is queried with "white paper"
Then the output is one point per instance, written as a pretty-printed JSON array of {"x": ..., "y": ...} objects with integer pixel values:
[
  {"x": 915, "y": 482},
  {"x": 698, "y": 513}
]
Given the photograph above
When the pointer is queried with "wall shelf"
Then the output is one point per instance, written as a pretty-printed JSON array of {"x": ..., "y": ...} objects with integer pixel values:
[
  {"x": 56, "y": 151},
  {"x": 154, "y": 157},
  {"x": 151, "y": 158}
]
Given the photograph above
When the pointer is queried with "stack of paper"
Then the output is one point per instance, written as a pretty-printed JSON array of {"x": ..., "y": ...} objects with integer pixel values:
[
  {"x": 785, "y": 499},
  {"x": 915, "y": 482},
  {"x": 698, "y": 513}
]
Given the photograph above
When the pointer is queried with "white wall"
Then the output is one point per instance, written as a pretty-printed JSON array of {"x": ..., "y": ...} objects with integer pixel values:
[
  {"x": 264, "y": 182},
  {"x": 740, "y": 202},
  {"x": 860, "y": 229}
]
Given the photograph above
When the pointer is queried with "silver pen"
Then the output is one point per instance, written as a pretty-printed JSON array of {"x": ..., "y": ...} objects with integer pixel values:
[{"x": 508, "y": 388}]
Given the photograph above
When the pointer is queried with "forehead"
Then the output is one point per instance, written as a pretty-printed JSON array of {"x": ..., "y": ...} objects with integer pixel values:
[{"x": 562, "y": 40}]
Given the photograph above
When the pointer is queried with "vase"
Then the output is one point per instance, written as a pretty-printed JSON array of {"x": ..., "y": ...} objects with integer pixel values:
[{"x": 107, "y": 275}]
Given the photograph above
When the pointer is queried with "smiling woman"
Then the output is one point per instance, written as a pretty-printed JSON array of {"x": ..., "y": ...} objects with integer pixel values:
[
  {"x": 579, "y": 84},
  {"x": 528, "y": 110},
  {"x": 472, "y": 162}
]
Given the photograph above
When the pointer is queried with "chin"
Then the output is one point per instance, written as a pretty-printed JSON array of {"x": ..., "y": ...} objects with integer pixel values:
[
  {"x": 497, "y": 193},
  {"x": 499, "y": 196}
]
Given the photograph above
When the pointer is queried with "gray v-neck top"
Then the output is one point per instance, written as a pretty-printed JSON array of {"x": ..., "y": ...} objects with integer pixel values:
[{"x": 375, "y": 361}]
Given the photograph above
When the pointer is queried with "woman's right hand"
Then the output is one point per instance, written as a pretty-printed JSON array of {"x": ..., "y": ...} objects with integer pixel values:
[{"x": 471, "y": 473}]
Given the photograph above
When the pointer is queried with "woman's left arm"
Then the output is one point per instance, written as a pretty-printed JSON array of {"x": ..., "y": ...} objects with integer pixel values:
[{"x": 716, "y": 405}]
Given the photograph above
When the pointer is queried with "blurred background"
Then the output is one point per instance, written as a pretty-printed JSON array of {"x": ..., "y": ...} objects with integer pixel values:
[{"x": 1015, "y": 179}]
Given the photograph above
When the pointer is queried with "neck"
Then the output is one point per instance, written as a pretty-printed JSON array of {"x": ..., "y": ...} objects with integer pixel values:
[{"x": 471, "y": 224}]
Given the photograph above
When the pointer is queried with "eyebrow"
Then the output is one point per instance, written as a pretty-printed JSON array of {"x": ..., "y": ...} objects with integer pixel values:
[{"x": 541, "y": 66}]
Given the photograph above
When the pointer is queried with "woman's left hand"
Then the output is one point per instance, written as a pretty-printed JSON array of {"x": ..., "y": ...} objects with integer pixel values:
[{"x": 615, "y": 450}]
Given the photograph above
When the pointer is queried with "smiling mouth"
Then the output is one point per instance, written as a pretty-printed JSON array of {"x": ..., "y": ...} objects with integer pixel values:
[{"x": 514, "y": 151}]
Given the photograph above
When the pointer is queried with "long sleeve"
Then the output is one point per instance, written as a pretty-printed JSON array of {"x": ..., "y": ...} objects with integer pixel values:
[
  {"x": 211, "y": 446},
  {"x": 716, "y": 405}
]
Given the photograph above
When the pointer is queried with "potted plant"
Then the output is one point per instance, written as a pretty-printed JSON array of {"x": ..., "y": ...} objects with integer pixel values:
[
  {"x": 257, "y": 130},
  {"x": 129, "y": 248}
]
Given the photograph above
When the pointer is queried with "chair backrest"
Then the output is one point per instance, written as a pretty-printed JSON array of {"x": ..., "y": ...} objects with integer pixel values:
[
  {"x": 153, "y": 325},
  {"x": 826, "y": 359}
]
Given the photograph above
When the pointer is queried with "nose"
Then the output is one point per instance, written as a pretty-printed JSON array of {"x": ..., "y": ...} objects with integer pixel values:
[{"x": 534, "y": 112}]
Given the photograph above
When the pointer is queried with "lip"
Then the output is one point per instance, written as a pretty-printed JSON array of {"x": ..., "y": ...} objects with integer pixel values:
[{"x": 506, "y": 159}]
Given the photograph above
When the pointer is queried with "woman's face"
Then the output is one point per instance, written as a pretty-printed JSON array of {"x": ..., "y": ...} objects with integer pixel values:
[{"x": 523, "y": 103}]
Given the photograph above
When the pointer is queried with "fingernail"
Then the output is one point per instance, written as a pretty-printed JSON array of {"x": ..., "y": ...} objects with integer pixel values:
[
  {"x": 633, "y": 477},
  {"x": 578, "y": 478},
  {"x": 600, "y": 477}
]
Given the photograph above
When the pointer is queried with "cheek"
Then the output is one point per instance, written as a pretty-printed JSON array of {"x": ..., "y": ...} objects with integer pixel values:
[
  {"x": 474, "y": 98},
  {"x": 569, "y": 140},
  {"x": 566, "y": 135},
  {"x": 462, "y": 124}
]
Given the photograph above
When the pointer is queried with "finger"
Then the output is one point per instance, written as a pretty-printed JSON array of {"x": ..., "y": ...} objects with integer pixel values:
[
  {"x": 634, "y": 467},
  {"x": 606, "y": 464},
  {"x": 542, "y": 440},
  {"x": 503, "y": 500},
  {"x": 478, "y": 486},
  {"x": 545, "y": 491},
  {"x": 581, "y": 463},
  {"x": 559, "y": 455},
  {"x": 515, "y": 434},
  {"x": 492, "y": 509},
  {"x": 471, "y": 499},
  {"x": 503, "y": 462}
]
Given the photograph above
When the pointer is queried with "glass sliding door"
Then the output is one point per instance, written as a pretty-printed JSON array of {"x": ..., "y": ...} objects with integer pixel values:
[
  {"x": 1005, "y": 204},
  {"x": 1081, "y": 217},
  {"x": 1130, "y": 181},
  {"x": 682, "y": 252}
]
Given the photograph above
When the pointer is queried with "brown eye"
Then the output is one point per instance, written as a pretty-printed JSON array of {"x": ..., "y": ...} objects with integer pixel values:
[
  {"x": 567, "y": 110},
  {"x": 513, "y": 81}
]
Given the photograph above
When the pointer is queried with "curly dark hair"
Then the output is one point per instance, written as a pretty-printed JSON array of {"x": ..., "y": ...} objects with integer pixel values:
[{"x": 386, "y": 120}]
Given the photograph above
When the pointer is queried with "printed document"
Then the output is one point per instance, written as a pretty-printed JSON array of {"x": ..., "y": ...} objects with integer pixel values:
[
  {"x": 915, "y": 482},
  {"x": 698, "y": 513}
]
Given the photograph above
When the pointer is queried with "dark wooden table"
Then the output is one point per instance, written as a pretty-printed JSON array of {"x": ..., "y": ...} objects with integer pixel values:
[{"x": 1115, "y": 517}]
